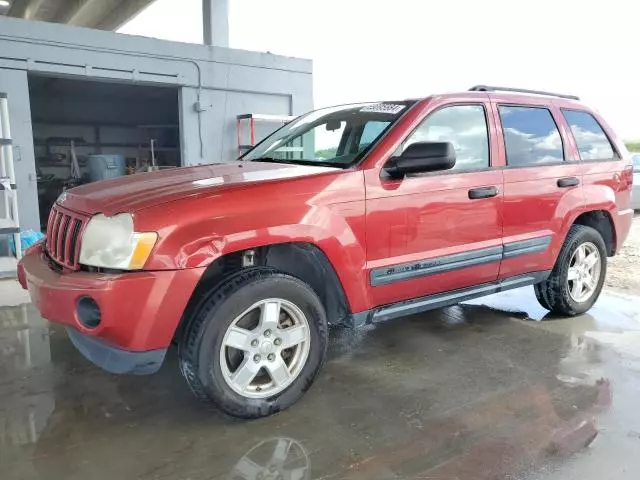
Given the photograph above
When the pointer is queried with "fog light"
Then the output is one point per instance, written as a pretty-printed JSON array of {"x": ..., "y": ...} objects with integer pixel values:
[{"x": 88, "y": 312}]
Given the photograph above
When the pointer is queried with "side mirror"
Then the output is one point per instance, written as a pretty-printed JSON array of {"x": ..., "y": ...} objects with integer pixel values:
[{"x": 422, "y": 157}]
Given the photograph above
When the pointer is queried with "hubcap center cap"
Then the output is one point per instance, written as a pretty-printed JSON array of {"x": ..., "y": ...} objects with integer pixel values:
[{"x": 266, "y": 347}]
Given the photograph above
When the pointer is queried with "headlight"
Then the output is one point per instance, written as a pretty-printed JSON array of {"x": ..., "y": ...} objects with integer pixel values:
[{"x": 110, "y": 242}]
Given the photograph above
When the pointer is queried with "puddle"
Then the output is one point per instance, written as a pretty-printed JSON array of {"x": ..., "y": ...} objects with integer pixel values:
[{"x": 467, "y": 392}]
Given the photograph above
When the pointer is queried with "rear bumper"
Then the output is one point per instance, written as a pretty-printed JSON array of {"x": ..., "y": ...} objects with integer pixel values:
[
  {"x": 635, "y": 197},
  {"x": 139, "y": 311},
  {"x": 623, "y": 225}
]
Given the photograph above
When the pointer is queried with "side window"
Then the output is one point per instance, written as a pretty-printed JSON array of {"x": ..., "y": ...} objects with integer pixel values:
[
  {"x": 593, "y": 143},
  {"x": 465, "y": 126},
  {"x": 370, "y": 132},
  {"x": 531, "y": 136}
]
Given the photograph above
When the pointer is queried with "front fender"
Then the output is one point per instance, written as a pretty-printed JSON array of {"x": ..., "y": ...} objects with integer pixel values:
[{"x": 333, "y": 220}]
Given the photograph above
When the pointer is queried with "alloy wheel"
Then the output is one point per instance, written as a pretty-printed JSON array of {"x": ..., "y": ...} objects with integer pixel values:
[{"x": 265, "y": 348}]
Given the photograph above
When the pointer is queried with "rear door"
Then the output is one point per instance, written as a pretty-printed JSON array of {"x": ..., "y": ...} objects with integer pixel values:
[{"x": 542, "y": 182}]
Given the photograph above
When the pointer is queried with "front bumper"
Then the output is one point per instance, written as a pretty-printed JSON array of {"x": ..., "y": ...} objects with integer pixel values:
[
  {"x": 139, "y": 311},
  {"x": 113, "y": 359}
]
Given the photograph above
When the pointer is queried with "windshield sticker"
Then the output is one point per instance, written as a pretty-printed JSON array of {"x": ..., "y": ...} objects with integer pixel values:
[{"x": 390, "y": 108}]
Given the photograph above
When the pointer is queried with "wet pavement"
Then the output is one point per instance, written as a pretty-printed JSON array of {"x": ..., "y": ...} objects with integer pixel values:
[{"x": 485, "y": 390}]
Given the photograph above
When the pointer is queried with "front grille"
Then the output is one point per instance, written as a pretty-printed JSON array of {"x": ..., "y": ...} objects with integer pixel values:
[{"x": 64, "y": 229}]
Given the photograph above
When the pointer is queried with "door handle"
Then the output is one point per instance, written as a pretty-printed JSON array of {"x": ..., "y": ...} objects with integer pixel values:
[
  {"x": 568, "y": 182},
  {"x": 482, "y": 192}
]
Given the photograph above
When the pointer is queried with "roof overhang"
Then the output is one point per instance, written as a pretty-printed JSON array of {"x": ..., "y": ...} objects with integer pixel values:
[{"x": 99, "y": 14}]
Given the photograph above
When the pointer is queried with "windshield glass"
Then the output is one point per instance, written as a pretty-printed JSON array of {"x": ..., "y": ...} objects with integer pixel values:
[{"x": 334, "y": 136}]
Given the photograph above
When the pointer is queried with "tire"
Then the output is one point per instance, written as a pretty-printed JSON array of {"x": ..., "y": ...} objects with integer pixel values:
[
  {"x": 208, "y": 363},
  {"x": 555, "y": 293},
  {"x": 538, "y": 289}
]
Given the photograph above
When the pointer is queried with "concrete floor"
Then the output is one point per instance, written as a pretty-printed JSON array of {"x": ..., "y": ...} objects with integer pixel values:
[{"x": 468, "y": 392}]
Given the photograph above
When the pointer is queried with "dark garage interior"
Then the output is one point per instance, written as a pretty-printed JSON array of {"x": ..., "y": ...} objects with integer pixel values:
[{"x": 111, "y": 129}]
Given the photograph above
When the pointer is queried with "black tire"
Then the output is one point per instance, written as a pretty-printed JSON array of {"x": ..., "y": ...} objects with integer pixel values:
[
  {"x": 200, "y": 345},
  {"x": 539, "y": 291},
  {"x": 553, "y": 293}
]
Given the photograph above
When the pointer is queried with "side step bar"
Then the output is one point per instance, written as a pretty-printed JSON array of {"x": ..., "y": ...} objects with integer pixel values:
[{"x": 445, "y": 299}]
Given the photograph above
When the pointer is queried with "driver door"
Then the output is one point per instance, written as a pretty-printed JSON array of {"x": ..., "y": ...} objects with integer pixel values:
[{"x": 438, "y": 231}]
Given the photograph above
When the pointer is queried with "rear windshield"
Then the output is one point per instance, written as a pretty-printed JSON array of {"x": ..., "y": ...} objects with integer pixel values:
[{"x": 335, "y": 136}]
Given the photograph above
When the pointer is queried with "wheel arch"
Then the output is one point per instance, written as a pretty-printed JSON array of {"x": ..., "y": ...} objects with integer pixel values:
[
  {"x": 303, "y": 260},
  {"x": 602, "y": 222}
]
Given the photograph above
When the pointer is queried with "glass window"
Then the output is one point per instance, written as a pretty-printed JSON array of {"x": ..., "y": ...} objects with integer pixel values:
[
  {"x": 371, "y": 131},
  {"x": 531, "y": 136},
  {"x": 465, "y": 126},
  {"x": 593, "y": 143},
  {"x": 334, "y": 136},
  {"x": 326, "y": 139}
]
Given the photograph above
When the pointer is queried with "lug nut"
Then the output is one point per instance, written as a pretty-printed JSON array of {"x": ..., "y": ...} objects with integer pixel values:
[
  {"x": 277, "y": 341},
  {"x": 267, "y": 333},
  {"x": 271, "y": 357},
  {"x": 254, "y": 343},
  {"x": 256, "y": 358}
]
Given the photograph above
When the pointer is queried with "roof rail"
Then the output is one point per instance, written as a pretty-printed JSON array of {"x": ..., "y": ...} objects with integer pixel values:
[{"x": 489, "y": 88}]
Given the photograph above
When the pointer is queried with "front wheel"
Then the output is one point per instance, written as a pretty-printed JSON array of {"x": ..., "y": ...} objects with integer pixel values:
[
  {"x": 578, "y": 276},
  {"x": 256, "y": 344}
]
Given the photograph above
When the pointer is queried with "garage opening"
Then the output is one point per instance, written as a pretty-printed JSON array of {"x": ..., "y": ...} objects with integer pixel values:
[{"x": 86, "y": 131}]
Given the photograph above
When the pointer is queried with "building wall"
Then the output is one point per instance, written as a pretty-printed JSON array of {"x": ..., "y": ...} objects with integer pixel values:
[
  {"x": 14, "y": 82},
  {"x": 215, "y": 85}
]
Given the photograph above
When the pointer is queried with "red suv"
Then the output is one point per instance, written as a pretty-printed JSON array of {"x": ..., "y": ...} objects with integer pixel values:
[{"x": 347, "y": 215}]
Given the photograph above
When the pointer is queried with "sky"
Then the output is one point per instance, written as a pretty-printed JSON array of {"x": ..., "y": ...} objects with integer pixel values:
[{"x": 367, "y": 50}]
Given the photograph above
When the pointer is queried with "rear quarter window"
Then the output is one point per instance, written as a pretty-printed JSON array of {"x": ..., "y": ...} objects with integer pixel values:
[{"x": 593, "y": 143}]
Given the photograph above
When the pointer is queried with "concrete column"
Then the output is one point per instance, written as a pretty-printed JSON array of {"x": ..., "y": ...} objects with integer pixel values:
[{"x": 215, "y": 22}]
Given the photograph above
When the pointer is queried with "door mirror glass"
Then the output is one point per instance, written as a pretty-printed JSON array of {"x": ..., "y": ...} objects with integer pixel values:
[{"x": 421, "y": 157}]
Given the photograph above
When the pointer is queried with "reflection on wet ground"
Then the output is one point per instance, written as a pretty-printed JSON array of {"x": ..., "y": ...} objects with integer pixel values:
[{"x": 467, "y": 392}]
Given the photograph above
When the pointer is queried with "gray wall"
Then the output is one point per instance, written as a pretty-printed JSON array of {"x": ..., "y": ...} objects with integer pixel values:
[{"x": 221, "y": 82}]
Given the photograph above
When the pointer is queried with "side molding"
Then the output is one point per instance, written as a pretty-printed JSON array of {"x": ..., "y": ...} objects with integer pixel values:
[
  {"x": 525, "y": 247},
  {"x": 448, "y": 263},
  {"x": 382, "y": 276}
]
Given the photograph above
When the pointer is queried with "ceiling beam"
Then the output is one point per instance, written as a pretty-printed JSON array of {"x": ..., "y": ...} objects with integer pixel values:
[
  {"x": 101, "y": 14},
  {"x": 121, "y": 15},
  {"x": 27, "y": 9}
]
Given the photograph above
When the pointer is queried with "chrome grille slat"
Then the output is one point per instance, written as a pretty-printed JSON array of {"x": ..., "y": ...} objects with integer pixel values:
[
  {"x": 64, "y": 229},
  {"x": 54, "y": 234},
  {"x": 62, "y": 234},
  {"x": 72, "y": 241}
]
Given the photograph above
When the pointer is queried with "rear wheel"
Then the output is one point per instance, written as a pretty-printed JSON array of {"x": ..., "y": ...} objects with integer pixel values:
[
  {"x": 578, "y": 276},
  {"x": 256, "y": 344}
]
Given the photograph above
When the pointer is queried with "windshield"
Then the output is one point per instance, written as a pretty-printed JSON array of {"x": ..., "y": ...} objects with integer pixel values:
[
  {"x": 333, "y": 136},
  {"x": 636, "y": 162}
]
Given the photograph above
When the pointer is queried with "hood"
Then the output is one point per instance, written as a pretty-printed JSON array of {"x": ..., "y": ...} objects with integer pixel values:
[{"x": 142, "y": 190}]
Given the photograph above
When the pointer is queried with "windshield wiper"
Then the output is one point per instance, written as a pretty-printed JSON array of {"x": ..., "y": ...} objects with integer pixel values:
[
  {"x": 318, "y": 163},
  {"x": 268, "y": 159}
]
